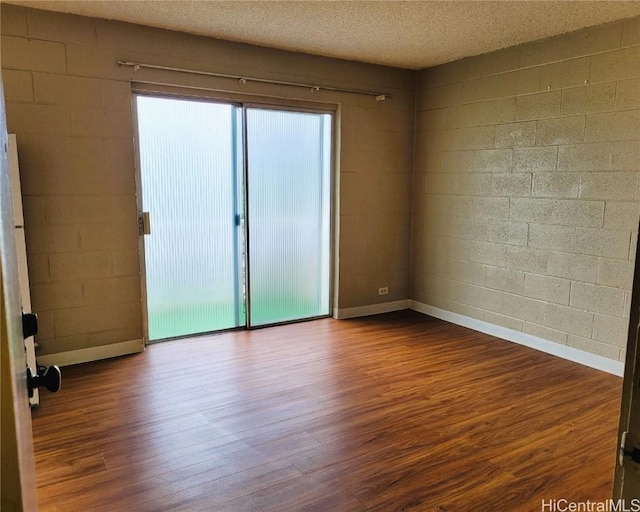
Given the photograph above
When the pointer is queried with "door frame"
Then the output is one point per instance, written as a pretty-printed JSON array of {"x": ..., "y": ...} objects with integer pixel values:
[
  {"x": 629, "y": 400},
  {"x": 243, "y": 103}
]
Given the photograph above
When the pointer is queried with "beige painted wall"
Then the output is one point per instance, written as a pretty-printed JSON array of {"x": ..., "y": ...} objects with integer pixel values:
[
  {"x": 525, "y": 206},
  {"x": 69, "y": 104},
  {"x": 526, "y": 199}
]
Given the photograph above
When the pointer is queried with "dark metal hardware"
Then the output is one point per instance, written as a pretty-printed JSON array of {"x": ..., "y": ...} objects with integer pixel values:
[
  {"x": 29, "y": 325},
  {"x": 48, "y": 376}
]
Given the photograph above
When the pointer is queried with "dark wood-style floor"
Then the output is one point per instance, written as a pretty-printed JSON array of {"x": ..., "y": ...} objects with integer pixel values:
[{"x": 387, "y": 413}]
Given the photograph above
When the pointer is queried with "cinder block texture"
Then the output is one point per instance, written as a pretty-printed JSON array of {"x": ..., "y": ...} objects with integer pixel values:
[
  {"x": 549, "y": 289},
  {"x": 69, "y": 104},
  {"x": 517, "y": 202},
  {"x": 563, "y": 168},
  {"x": 587, "y": 99}
]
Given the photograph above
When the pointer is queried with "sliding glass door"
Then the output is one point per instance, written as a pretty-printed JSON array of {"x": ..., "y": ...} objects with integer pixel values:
[
  {"x": 289, "y": 162},
  {"x": 232, "y": 243},
  {"x": 190, "y": 169}
]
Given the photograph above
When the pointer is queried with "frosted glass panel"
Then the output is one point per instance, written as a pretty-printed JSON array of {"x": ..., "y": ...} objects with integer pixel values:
[
  {"x": 189, "y": 163},
  {"x": 289, "y": 211}
]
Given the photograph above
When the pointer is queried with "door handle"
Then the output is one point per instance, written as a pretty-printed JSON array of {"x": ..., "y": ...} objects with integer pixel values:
[
  {"x": 48, "y": 376},
  {"x": 29, "y": 325},
  {"x": 144, "y": 223}
]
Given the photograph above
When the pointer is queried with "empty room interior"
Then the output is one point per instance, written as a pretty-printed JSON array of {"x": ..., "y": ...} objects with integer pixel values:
[{"x": 325, "y": 256}]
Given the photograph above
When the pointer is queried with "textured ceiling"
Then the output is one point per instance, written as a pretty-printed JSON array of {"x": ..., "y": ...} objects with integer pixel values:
[{"x": 408, "y": 34}]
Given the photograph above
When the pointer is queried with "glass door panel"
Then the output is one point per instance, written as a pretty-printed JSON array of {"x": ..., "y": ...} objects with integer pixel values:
[
  {"x": 288, "y": 176},
  {"x": 190, "y": 158}
]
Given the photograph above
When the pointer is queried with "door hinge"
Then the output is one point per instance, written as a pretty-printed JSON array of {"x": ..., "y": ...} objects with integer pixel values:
[
  {"x": 144, "y": 226},
  {"x": 629, "y": 448}
]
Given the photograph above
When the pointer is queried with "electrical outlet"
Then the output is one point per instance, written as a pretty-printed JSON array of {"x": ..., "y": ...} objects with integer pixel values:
[{"x": 383, "y": 291}]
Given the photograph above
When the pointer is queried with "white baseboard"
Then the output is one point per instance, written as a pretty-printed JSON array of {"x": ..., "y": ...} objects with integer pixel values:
[
  {"x": 371, "y": 309},
  {"x": 521, "y": 338},
  {"x": 84, "y": 355}
]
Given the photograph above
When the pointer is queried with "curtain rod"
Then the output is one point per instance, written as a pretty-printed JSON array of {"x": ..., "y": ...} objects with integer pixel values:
[{"x": 379, "y": 96}]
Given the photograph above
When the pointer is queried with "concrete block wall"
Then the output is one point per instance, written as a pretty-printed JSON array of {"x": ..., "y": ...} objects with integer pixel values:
[
  {"x": 69, "y": 104},
  {"x": 525, "y": 199},
  {"x": 522, "y": 209}
]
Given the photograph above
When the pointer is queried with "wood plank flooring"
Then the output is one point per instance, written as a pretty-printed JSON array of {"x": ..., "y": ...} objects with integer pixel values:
[{"x": 387, "y": 413}]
